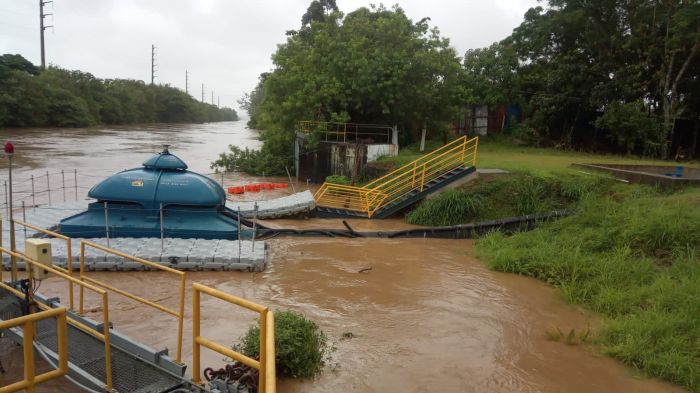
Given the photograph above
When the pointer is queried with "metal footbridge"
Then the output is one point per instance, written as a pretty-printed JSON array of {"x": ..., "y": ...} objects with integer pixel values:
[
  {"x": 402, "y": 187},
  {"x": 95, "y": 356}
]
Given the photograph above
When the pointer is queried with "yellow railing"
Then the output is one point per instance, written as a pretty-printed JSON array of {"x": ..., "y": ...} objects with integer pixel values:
[
  {"x": 266, "y": 364},
  {"x": 346, "y": 132},
  {"x": 371, "y": 197},
  {"x": 28, "y": 333},
  {"x": 179, "y": 313},
  {"x": 102, "y": 336},
  {"x": 69, "y": 254}
]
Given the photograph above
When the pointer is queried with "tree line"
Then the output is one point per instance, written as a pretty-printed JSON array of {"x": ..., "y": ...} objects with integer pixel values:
[
  {"x": 35, "y": 97},
  {"x": 601, "y": 74}
]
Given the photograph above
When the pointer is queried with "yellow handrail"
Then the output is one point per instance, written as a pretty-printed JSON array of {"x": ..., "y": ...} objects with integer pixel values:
[
  {"x": 380, "y": 192},
  {"x": 69, "y": 252},
  {"x": 103, "y": 336},
  {"x": 28, "y": 333},
  {"x": 179, "y": 313},
  {"x": 266, "y": 364}
]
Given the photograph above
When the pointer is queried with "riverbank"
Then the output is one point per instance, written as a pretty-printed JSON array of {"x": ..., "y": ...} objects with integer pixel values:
[{"x": 629, "y": 252}]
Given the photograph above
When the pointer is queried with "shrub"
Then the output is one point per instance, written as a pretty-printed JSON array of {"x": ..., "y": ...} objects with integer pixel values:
[
  {"x": 451, "y": 208},
  {"x": 300, "y": 345},
  {"x": 338, "y": 179}
]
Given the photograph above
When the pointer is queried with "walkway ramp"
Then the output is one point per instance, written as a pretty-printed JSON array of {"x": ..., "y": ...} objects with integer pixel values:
[{"x": 402, "y": 187}]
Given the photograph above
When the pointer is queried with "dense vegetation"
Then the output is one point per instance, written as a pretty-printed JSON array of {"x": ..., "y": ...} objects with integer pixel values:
[
  {"x": 630, "y": 253},
  {"x": 598, "y": 73},
  {"x": 373, "y": 65},
  {"x": 300, "y": 345},
  {"x": 600, "y": 76},
  {"x": 31, "y": 97}
]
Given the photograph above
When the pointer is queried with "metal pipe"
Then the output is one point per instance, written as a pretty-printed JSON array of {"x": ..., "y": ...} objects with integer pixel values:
[
  {"x": 75, "y": 182},
  {"x": 162, "y": 245},
  {"x": 24, "y": 219},
  {"x": 263, "y": 351},
  {"x": 12, "y": 223},
  {"x": 48, "y": 186},
  {"x": 33, "y": 197},
  {"x": 239, "y": 233},
  {"x": 63, "y": 183},
  {"x": 106, "y": 223},
  {"x": 196, "y": 350},
  {"x": 255, "y": 219},
  {"x": 7, "y": 212}
]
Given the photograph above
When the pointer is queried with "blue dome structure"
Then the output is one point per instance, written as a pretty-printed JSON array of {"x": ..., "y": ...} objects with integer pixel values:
[{"x": 193, "y": 206}]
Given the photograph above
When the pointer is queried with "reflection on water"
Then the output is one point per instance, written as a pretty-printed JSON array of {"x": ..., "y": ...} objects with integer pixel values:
[{"x": 426, "y": 317}]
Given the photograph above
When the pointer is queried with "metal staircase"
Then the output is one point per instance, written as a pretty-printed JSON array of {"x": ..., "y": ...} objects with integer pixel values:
[{"x": 402, "y": 187}]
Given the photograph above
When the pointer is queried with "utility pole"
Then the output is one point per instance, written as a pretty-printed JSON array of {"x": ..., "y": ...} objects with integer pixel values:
[
  {"x": 153, "y": 63},
  {"x": 202, "y": 92},
  {"x": 218, "y": 101},
  {"x": 42, "y": 15},
  {"x": 187, "y": 82},
  {"x": 212, "y": 97}
]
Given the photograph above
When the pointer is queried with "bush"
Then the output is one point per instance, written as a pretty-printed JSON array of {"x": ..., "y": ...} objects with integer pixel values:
[
  {"x": 338, "y": 179},
  {"x": 300, "y": 345},
  {"x": 451, "y": 208}
]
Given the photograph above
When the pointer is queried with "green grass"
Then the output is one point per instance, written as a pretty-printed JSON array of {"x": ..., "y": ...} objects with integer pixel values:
[
  {"x": 630, "y": 254},
  {"x": 514, "y": 194}
]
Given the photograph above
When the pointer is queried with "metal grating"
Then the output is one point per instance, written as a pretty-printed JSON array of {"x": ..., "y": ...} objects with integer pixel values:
[{"x": 130, "y": 374}]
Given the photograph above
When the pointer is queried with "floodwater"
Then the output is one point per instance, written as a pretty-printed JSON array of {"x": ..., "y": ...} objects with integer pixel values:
[{"x": 402, "y": 315}]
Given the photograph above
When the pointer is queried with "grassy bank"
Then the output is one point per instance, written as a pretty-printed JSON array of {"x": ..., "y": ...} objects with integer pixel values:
[{"x": 630, "y": 252}]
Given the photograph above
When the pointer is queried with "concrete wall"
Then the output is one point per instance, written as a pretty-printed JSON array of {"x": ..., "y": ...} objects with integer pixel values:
[{"x": 376, "y": 151}]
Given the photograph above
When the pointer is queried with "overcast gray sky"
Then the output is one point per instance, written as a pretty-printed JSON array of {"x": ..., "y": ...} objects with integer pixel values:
[{"x": 224, "y": 44}]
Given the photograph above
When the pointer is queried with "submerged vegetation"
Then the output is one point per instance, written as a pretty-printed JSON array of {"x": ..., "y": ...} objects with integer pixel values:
[
  {"x": 300, "y": 345},
  {"x": 34, "y": 97}
]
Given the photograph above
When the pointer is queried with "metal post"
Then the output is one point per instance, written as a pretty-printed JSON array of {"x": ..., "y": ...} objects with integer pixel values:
[
  {"x": 239, "y": 233},
  {"x": 162, "y": 245},
  {"x": 7, "y": 211},
  {"x": 48, "y": 186},
  {"x": 290, "y": 179},
  {"x": 255, "y": 224},
  {"x": 13, "y": 258},
  {"x": 75, "y": 181},
  {"x": 63, "y": 182},
  {"x": 107, "y": 224},
  {"x": 33, "y": 197},
  {"x": 222, "y": 178},
  {"x": 24, "y": 219}
]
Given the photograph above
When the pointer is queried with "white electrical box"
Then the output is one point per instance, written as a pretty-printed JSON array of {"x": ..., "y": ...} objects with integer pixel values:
[{"x": 38, "y": 250}]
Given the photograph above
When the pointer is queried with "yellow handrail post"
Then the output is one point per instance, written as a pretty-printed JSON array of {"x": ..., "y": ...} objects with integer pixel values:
[
  {"x": 422, "y": 180},
  {"x": 263, "y": 348},
  {"x": 196, "y": 350},
  {"x": 105, "y": 333},
  {"x": 28, "y": 346}
]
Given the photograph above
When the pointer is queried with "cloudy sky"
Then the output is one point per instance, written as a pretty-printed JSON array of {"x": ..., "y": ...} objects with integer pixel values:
[{"x": 224, "y": 44}]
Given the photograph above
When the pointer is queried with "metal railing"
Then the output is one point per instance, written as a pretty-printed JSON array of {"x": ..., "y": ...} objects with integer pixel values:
[
  {"x": 266, "y": 364},
  {"x": 346, "y": 132},
  {"x": 69, "y": 254},
  {"x": 381, "y": 192},
  {"x": 102, "y": 336},
  {"x": 179, "y": 313},
  {"x": 28, "y": 323}
]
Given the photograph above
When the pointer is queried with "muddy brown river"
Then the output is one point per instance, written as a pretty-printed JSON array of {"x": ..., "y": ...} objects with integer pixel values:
[{"x": 424, "y": 314}]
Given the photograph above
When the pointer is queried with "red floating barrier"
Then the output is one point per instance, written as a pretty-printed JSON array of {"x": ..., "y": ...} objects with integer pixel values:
[
  {"x": 281, "y": 185},
  {"x": 267, "y": 186},
  {"x": 236, "y": 190},
  {"x": 252, "y": 187}
]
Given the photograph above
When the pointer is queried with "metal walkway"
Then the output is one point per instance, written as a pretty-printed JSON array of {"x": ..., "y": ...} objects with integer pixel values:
[
  {"x": 151, "y": 372},
  {"x": 402, "y": 187}
]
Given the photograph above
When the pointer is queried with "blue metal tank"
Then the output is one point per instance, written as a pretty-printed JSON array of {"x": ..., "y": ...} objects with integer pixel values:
[{"x": 193, "y": 206}]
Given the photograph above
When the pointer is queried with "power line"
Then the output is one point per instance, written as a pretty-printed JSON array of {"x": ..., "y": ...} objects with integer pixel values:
[
  {"x": 153, "y": 63},
  {"x": 42, "y": 15}
]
